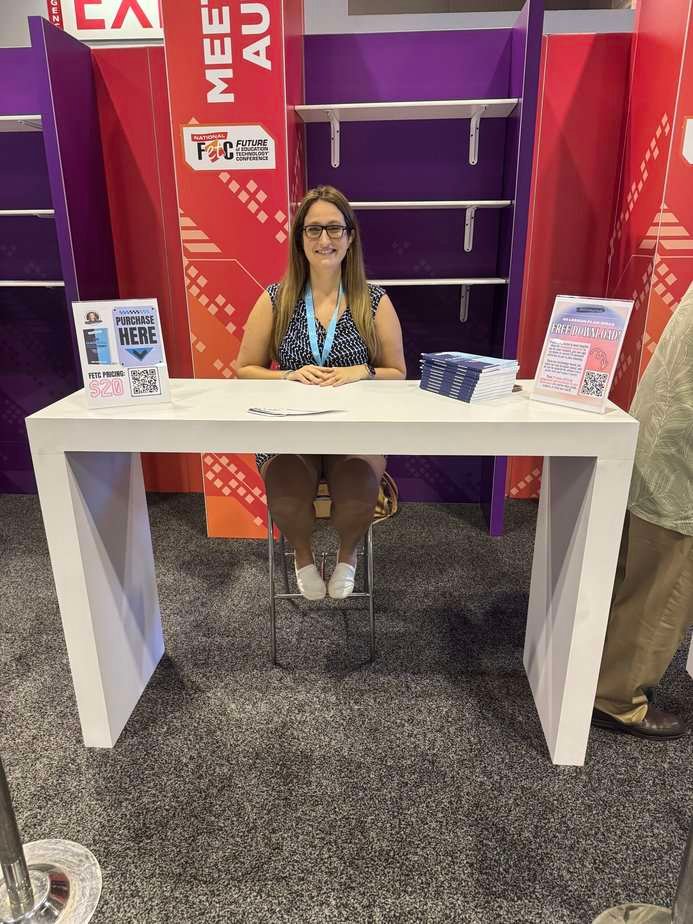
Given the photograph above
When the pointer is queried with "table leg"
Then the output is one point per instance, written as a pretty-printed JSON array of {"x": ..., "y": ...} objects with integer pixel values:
[
  {"x": 581, "y": 512},
  {"x": 689, "y": 666},
  {"x": 97, "y": 525}
]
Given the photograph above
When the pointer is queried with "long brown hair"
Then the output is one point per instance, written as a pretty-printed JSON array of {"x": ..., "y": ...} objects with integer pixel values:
[{"x": 354, "y": 281}]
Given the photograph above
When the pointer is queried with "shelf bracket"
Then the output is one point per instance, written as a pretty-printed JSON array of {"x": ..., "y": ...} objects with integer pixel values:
[
  {"x": 474, "y": 126},
  {"x": 469, "y": 228},
  {"x": 464, "y": 304},
  {"x": 334, "y": 137}
]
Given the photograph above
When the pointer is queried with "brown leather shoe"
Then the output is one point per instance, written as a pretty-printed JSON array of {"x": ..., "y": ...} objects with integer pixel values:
[{"x": 657, "y": 725}]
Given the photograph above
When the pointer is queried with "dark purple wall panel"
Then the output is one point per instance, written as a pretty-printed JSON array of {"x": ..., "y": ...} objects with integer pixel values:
[
  {"x": 59, "y": 168},
  {"x": 16, "y": 471},
  {"x": 426, "y": 160},
  {"x": 37, "y": 368},
  {"x": 519, "y": 147},
  {"x": 24, "y": 173},
  {"x": 71, "y": 128},
  {"x": 415, "y": 243},
  {"x": 28, "y": 245},
  {"x": 19, "y": 93},
  {"x": 420, "y": 160},
  {"x": 429, "y": 160},
  {"x": 28, "y": 248},
  {"x": 407, "y": 66},
  {"x": 526, "y": 53}
]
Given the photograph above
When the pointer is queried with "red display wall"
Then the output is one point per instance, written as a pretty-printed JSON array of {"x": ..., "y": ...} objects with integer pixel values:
[
  {"x": 577, "y": 159},
  {"x": 135, "y": 127},
  {"x": 648, "y": 255},
  {"x": 651, "y": 257},
  {"x": 228, "y": 90}
]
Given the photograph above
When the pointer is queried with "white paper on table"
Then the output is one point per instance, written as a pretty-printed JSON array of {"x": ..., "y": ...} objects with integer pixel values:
[{"x": 290, "y": 411}]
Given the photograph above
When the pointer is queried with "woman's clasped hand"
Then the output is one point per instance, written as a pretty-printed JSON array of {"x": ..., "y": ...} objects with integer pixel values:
[{"x": 328, "y": 375}]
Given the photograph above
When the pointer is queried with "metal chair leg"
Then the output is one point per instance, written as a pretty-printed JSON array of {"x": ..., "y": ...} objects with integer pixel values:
[
  {"x": 283, "y": 556},
  {"x": 273, "y": 602},
  {"x": 368, "y": 580}
]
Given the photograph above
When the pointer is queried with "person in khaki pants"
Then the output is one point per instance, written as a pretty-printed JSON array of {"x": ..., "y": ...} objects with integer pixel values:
[{"x": 652, "y": 604}]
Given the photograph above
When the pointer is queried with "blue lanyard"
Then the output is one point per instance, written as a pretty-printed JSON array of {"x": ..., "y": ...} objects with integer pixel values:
[{"x": 321, "y": 358}]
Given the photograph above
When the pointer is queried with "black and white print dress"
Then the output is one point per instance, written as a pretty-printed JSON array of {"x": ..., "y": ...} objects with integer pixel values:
[{"x": 348, "y": 347}]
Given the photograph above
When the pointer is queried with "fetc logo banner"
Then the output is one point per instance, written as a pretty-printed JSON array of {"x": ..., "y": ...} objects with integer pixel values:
[{"x": 228, "y": 147}]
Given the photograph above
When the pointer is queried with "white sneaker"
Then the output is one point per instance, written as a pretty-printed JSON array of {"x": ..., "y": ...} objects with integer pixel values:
[
  {"x": 342, "y": 581},
  {"x": 310, "y": 582}
]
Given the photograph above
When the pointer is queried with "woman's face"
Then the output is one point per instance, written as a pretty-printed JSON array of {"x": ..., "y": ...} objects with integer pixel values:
[{"x": 324, "y": 252}]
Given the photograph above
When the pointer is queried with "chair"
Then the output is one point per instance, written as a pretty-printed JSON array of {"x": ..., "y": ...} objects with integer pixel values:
[{"x": 322, "y": 509}]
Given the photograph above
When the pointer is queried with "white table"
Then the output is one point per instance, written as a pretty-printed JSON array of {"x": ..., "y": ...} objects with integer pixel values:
[{"x": 89, "y": 476}]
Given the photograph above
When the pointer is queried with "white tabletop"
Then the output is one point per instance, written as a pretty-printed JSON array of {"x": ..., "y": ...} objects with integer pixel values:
[{"x": 366, "y": 417}]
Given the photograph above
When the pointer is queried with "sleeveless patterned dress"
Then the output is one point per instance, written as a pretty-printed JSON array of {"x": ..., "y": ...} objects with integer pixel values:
[{"x": 348, "y": 347}]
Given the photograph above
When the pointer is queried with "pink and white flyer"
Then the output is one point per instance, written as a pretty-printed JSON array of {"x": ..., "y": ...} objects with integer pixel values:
[{"x": 581, "y": 350}]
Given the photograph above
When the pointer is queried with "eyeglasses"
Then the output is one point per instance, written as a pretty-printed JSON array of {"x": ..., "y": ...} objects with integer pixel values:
[{"x": 334, "y": 232}]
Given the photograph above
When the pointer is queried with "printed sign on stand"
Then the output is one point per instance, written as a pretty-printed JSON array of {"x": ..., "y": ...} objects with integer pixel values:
[
  {"x": 581, "y": 350},
  {"x": 122, "y": 352}
]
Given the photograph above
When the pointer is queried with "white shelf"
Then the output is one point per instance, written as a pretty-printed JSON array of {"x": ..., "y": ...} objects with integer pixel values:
[
  {"x": 436, "y": 204},
  {"x": 481, "y": 281},
  {"x": 429, "y": 109},
  {"x": 20, "y": 123},
  {"x": 464, "y": 282},
  {"x": 34, "y": 283},
  {"x": 473, "y": 109},
  {"x": 39, "y": 213}
]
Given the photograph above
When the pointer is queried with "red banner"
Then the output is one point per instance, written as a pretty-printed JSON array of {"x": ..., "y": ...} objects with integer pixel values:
[
  {"x": 226, "y": 74},
  {"x": 112, "y": 20},
  {"x": 54, "y": 13}
]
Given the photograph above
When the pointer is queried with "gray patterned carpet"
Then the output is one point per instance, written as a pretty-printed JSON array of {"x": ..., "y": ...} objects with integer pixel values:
[{"x": 416, "y": 789}]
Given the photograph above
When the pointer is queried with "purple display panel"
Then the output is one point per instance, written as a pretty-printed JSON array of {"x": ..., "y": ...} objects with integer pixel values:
[
  {"x": 412, "y": 159},
  {"x": 419, "y": 160},
  {"x": 57, "y": 168},
  {"x": 36, "y": 369},
  {"x": 403, "y": 66},
  {"x": 24, "y": 175},
  {"x": 28, "y": 245},
  {"x": 19, "y": 94},
  {"x": 75, "y": 163},
  {"x": 519, "y": 149}
]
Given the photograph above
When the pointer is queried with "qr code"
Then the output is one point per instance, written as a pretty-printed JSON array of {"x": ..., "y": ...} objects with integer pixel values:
[
  {"x": 144, "y": 382},
  {"x": 594, "y": 384}
]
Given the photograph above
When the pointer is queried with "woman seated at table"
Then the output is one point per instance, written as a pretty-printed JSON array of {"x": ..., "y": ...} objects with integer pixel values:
[{"x": 323, "y": 325}]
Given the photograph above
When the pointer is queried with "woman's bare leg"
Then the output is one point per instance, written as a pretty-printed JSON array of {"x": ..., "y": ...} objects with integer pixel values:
[
  {"x": 291, "y": 482},
  {"x": 354, "y": 483}
]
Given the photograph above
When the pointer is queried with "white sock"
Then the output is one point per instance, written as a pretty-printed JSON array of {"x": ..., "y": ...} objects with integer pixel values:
[
  {"x": 310, "y": 582},
  {"x": 342, "y": 581}
]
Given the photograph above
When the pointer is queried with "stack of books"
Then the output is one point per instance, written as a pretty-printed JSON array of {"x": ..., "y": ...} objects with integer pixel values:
[{"x": 468, "y": 376}]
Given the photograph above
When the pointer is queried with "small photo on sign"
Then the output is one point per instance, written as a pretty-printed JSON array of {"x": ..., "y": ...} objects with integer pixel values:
[{"x": 96, "y": 346}]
